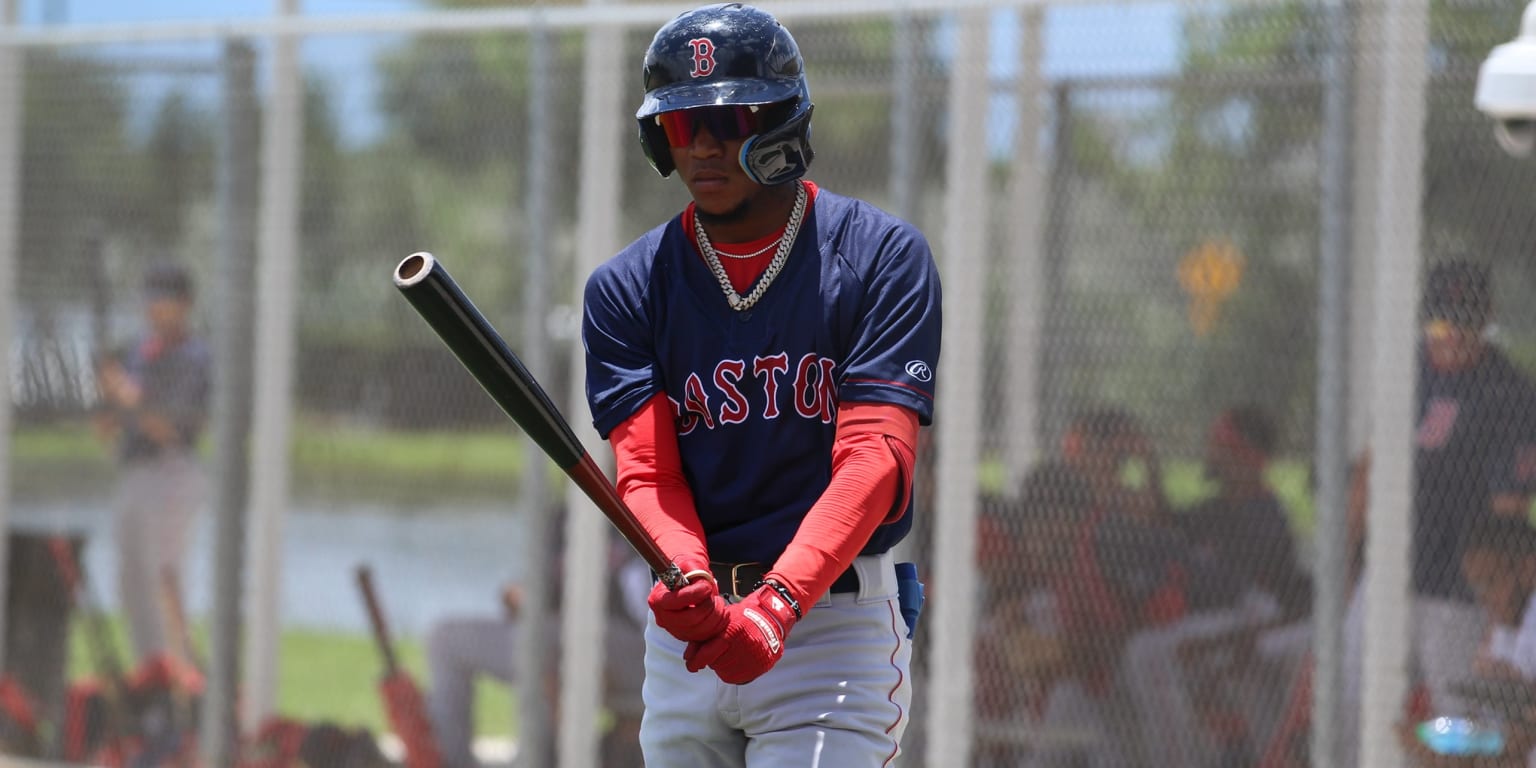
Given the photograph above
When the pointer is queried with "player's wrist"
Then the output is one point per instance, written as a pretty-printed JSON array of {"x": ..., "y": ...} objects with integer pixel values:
[
  {"x": 794, "y": 585},
  {"x": 694, "y": 567},
  {"x": 775, "y": 587}
]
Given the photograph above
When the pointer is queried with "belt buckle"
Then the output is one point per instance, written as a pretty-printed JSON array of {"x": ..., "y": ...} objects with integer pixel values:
[{"x": 736, "y": 589}]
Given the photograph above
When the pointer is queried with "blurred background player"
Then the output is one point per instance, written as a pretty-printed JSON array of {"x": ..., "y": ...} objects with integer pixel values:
[
  {"x": 1498, "y": 563},
  {"x": 1244, "y": 580},
  {"x": 155, "y": 400},
  {"x": 1118, "y": 570},
  {"x": 460, "y": 649},
  {"x": 1029, "y": 672},
  {"x": 761, "y": 364},
  {"x": 1476, "y": 458}
]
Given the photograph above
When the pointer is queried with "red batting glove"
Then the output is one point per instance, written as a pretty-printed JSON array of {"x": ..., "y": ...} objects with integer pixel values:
[
  {"x": 753, "y": 640},
  {"x": 694, "y": 611}
]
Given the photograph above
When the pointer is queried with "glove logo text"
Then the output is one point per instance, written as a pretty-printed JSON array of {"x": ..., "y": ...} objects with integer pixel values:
[{"x": 769, "y": 632}]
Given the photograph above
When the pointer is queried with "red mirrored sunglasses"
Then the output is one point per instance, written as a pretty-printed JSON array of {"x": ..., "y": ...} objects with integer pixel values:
[{"x": 725, "y": 123}]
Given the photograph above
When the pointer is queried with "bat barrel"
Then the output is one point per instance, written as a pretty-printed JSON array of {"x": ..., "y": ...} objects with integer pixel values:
[
  {"x": 429, "y": 288},
  {"x": 435, "y": 295}
]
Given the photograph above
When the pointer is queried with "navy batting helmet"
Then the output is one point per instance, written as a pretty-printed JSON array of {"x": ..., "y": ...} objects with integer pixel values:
[
  {"x": 1459, "y": 291},
  {"x": 728, "y": 55}
]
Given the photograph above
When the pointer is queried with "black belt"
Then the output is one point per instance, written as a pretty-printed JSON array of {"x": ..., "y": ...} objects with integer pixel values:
[{"x": 740, "y": 579}]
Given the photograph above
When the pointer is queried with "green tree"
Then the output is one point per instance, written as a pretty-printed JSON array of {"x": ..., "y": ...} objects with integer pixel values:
[
  {"x": 78, "y": 171},
  {"x": 1231, "y": 147}
]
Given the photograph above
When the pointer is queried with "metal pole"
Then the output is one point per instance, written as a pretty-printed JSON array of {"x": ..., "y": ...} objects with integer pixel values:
[
  {"x": 962, "y": 262},
  {"x": 1331, "y": 577},
  {"x": 282, "y": 148},
  {"x": 904, "y": 115},
  {"x": 603, "y": 141},
  {"x": 11, "y": 129},
  {"x": 237, "y": 175},
  {"x": 1054, "y": 340},
  {"x": 534, "y": 739},
  {"x": 906, "y": 145},
  {"x": 1026, "y": 252},
  {"x": 1365, "y": 166},
  {"x": 1400, "y": 134}
]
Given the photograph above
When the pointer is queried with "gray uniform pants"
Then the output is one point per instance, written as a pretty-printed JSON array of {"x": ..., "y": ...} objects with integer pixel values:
[
  {"x": 155, "y": 506},
  {"x": 1446, "y": 636}
]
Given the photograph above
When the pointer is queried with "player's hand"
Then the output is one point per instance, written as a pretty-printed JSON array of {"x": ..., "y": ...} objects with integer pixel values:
[
  {"x": 511, "y": 600},
  {"x": 753, "y": 640},
  {"x": 693, "y": 612}
]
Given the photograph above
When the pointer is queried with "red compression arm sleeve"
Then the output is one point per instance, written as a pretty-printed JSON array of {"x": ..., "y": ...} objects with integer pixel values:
[
  {"x": 651, "y": 482},
  {"x": 872, "y": 460}
]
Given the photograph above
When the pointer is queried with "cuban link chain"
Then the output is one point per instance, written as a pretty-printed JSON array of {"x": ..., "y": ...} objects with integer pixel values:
[{"x": 786, "y": 243}]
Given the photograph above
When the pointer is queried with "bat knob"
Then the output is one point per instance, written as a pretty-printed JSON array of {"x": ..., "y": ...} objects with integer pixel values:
[{"x": 672, "y": 577}]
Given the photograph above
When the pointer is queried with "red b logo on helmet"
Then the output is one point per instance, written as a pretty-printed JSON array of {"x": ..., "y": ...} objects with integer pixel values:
[{"x": 703, "y": 56}]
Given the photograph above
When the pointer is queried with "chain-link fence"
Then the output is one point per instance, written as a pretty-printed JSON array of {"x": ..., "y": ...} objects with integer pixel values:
[{"x": 1168, "y": 233}]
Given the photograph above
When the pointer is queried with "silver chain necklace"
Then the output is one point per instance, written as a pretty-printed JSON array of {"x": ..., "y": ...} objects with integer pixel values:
[
  {"x": 753, "y": 254},
  {"x": 786, "y": 243}
]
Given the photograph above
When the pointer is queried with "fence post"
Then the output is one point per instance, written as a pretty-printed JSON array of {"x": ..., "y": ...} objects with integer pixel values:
[
  {"x": 533, "y": 737},
  {"x": 1026, "y": 249},
  {"x": 282, "y": 152},
  {"x": 603, "y": 135},
  {"x": 962, "y": 261},
  {"x": 1331, "y": 581},
  {"x": 1400, "y": 134},
  {"x": 232, "y": 337},
  {"x": 11, "y": 130}
]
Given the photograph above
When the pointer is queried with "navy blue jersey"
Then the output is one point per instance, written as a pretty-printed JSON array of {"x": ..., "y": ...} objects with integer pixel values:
[
  {"x": 1476, "y": 437},
  {"x": 177, "y": 382},
  {"x": 853, "y": 316}
]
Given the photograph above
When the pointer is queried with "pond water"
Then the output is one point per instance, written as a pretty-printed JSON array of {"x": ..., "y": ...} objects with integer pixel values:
[{"x": 426, "y": 562}]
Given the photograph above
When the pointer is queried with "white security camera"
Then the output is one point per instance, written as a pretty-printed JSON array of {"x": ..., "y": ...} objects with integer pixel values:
[{"x": 1506, "y": 89}]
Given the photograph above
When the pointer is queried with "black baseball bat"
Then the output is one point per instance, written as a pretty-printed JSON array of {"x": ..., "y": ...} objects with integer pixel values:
[{"x": 429, "y": 288}]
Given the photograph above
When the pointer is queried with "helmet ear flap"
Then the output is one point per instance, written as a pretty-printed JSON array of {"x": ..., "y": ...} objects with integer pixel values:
[
  {"x": 780, "y": 155},
  {"x": 653, "y": 139}
]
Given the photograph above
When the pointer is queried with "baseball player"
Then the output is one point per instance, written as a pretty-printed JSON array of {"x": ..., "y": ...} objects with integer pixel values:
[
  {"x": 761, "y": 364},
  {"x": 155, "y": 401}
]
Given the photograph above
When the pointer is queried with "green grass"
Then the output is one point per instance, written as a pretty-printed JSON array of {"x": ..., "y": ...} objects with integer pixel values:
[
  {"x": 327, "y": 460},
  {"x": 63, "y": 459},
  {"x": 331, "y": 676},
  {"x": 327, "y": 676},
  {"x": 1185, "y": 484},
  {"x": 406, "y": 466}
]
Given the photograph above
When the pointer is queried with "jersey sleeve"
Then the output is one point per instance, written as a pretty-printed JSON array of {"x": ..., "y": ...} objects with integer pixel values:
[
  {"x": 620, "y": 353},
  {"x": 895, "y": 347},
  {"x": 1517, "y": 473}
]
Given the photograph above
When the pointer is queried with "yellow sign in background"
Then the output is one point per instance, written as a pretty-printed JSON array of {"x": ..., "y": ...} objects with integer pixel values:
[{"x": 1210, "y": 273}]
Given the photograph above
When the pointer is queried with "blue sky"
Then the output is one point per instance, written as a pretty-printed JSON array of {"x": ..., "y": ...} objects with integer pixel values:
[
  {"x": 1111, "y": 39},
  {"x": 330, "y": 56}
]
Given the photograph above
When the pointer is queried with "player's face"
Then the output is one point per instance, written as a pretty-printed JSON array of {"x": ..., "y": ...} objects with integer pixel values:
[
  {"x": 708, "y": 166},
  {"x": 168, "y": 316},
  {"x": 1452, "y": 346}
]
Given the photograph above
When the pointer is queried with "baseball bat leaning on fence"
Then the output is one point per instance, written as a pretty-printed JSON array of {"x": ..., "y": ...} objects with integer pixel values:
[
  {"x": 117, "y": 720},
  {"x": 437, "y": 298},
  {"x": 403, "y": 702}
]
